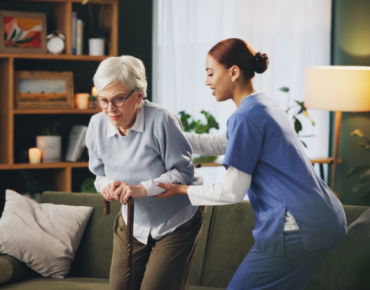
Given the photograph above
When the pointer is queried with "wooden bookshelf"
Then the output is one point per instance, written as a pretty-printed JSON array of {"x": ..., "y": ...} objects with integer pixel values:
[
  {"x": 61, "y": 15},
  {"x": 55, "y": 111}
]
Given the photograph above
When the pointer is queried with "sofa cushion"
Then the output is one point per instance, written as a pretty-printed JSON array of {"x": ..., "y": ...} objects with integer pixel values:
[
  {"x": 44, "y": 236},
  {"x": 347, "y": 266},
  {"x": 225, "y": 240},
  {"x": 94, "y": 255},
  {"x": 60, "y": 284},
  {"x": 12, "y": 270}
]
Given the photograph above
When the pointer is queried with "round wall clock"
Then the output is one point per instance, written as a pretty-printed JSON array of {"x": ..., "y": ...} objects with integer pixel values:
[{"x": 56, "y": 42}]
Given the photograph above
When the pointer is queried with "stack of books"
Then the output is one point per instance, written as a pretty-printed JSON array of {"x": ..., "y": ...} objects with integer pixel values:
[
  {"x": 76, "y": 143},
  {"x": 77, "y": 34}
]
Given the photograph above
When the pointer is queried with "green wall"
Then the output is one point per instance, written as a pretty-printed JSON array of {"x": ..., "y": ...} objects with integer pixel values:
[{"x": 351, "y": 46}]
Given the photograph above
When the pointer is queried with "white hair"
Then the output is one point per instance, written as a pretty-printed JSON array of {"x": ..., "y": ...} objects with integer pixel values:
[{"x": 126, "y": 69}]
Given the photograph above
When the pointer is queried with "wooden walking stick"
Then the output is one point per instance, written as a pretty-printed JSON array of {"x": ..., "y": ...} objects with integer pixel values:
[{"x": 129, "y": 242}]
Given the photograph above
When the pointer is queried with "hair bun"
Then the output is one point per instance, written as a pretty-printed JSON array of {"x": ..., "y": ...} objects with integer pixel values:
[{"x": 261, "y": 62}]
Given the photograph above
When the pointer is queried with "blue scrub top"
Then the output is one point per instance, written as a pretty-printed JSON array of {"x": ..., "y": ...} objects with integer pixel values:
[{"x": 263, "y": 144}]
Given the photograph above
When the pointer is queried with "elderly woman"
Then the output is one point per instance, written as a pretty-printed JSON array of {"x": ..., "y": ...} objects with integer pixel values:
[{"x": 133, "y": 144}]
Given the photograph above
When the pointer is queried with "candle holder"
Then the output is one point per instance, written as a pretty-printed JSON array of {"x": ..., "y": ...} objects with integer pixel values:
[
  {"x": 82, "y": 100},
  {"x": 34, "y": 155}
]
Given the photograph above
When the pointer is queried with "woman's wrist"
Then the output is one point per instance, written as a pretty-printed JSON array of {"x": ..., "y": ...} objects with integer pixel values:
[{"x": 184, "y": 189}]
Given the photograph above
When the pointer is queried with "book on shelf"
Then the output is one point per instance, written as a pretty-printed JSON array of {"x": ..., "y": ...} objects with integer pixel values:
[
  {"x": 79, "y": 37},
  {"x": 74, "y": 31},
  {"x": 76, "y": 143}
]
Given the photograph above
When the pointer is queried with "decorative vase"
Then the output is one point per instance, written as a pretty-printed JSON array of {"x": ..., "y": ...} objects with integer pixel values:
[
  {"x": 96, "y": 46},
  {"x": 51, "y": 147}
]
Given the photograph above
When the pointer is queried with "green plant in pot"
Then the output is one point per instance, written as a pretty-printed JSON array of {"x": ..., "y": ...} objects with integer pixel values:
[
  {"x": 294, "y": 111},
  {"x": 362, "y": 171},
  {"x": 88, "y": 185},
  {"x": 50, "y": 144},
  {"x": 97, "y": 33},
  {"x": 198, "y": 127}
]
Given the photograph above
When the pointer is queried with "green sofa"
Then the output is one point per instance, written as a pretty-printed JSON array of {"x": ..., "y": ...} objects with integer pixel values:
[{"x": 225, "y": 240}]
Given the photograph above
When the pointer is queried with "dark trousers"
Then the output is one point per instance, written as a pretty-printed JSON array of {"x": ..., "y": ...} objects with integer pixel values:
[
  {"x": 291, "y": 272},
  {"x": 162, "y": 264}
]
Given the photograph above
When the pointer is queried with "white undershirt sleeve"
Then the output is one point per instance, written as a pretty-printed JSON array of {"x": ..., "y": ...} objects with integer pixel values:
[
  {"x": 101, "y": 182},
  {"x": 207, "y": 144},
  {"x": 231, "y": 189},
  {"x": 172, "y": 176}
]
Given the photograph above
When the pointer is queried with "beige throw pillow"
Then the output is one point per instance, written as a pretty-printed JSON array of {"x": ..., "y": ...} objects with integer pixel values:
[{"x": 44, "y": 236}]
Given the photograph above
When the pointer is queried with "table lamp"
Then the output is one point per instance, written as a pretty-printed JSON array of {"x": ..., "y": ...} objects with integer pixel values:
[{"x": 339, "y": 89}]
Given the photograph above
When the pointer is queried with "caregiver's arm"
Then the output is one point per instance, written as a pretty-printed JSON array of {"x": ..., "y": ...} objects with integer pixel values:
[
  {"x": 207, "y": 144},
  {"x": 231, "y": 189}
]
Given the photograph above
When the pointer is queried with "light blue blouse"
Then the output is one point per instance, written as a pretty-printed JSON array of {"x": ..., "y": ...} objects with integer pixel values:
[{"x": 143, "y": 155}]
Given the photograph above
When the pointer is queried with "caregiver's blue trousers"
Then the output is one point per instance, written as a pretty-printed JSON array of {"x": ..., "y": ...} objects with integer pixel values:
[{"x": 291, "y": 272}]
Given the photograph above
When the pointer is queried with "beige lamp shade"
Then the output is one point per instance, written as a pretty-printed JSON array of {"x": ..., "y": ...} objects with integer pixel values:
[{"x": 338, "y": 88}]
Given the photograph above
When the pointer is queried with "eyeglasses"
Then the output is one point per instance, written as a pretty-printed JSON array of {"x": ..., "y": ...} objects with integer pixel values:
[{"x": 117, "y": 101}]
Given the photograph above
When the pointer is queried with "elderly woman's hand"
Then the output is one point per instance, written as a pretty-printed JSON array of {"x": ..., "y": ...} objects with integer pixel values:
[
  {"x": 172, "y": 189},
  {"x": 125, "y": 190},
  {"x": 108, "y": 190}
]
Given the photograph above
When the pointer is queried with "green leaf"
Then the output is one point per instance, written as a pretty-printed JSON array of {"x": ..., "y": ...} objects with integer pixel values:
[
  {"x": 297, "y": 125},
  {"x": 56, "y": 125},
  {"x": 304, "y": 144},
  {"x": 360, "y": 185},
  {"x": 360, "y": 169},
  {"x": 284, "y": 89},
  {"x": 14, "y": 33},
  {"x": 184, "y": 118},
  {"x": 364, "y": 180}
]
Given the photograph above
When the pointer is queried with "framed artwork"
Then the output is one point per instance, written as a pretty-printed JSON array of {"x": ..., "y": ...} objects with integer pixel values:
[
  {"x": 43, "y": 89},
  {"x": 22, "y": 32}
]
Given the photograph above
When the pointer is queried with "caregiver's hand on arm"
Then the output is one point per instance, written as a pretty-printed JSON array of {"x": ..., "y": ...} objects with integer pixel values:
[{"x": 172, "y": 189}]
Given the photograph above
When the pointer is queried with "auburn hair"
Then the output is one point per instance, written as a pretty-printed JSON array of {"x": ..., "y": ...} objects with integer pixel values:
[{"x": 235, "y": 51}]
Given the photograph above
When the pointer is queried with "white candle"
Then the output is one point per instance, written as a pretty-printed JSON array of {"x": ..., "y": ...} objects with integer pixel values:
[
  {"x": 34, "y": 155},
  {"x": 81, "y": 100}
]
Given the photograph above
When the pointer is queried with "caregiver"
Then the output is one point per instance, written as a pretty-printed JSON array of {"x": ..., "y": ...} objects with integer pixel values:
[{"x": 298, "y": 219}]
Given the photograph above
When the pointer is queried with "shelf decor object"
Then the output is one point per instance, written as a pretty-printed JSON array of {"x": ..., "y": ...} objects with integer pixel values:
[
  {"x": 338, "y": 89},
  {"x": 42, "y": 89},
  {"x": 34, "y": 155},
  {"x": 56, "y": 42},
  {"x": 22, "y": 32},
  {"x": 51, "y": 147},
  {"x": 82, "y": 100}
]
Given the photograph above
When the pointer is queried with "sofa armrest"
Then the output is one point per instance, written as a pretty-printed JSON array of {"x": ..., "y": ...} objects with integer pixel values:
[{"x": 13, "y": 270}]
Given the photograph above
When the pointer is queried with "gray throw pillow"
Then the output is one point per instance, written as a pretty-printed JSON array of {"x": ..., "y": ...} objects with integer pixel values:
[
  {"x": 44, "y": 236},
  {"x": 347, "y": 266}
]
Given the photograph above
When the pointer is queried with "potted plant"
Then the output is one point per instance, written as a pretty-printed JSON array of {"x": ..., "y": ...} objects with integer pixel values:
[
  {"x": 297, "y": 109},
  {"x": 50, "y": 144},
  {"x": 88, "y": 185},
  {"x": 199, "y": 128},
  {"x": 97, "y": 34}
]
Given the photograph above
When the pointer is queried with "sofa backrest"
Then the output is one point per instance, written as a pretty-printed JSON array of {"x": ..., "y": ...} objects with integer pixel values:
[
  {"x": 94, "y": 254},
  {"x": 225, "y": 240}
]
